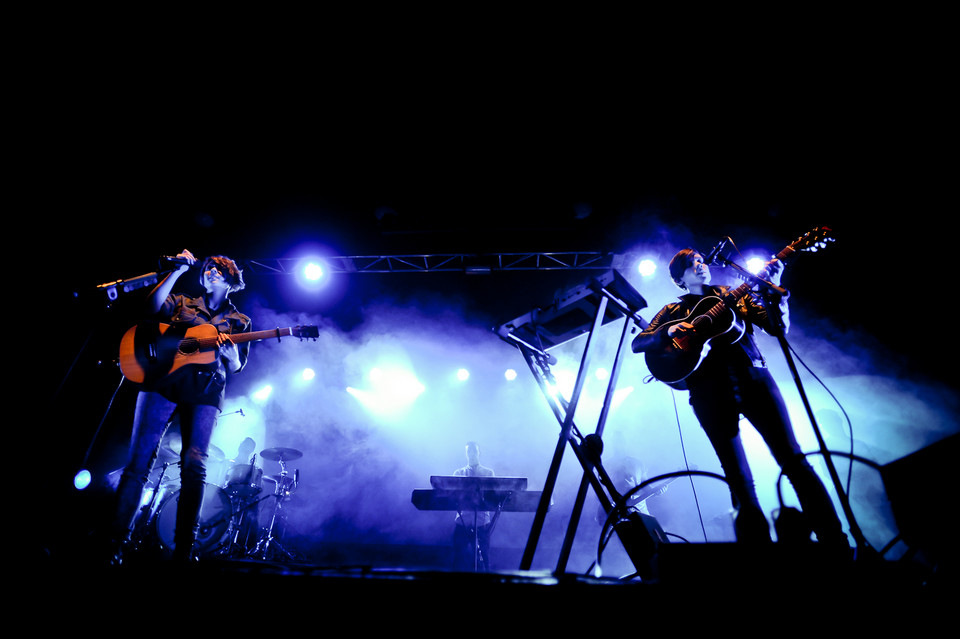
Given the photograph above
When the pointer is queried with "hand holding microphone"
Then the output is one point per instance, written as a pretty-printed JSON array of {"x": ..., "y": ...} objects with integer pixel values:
[{"x": 179, "y": 263}]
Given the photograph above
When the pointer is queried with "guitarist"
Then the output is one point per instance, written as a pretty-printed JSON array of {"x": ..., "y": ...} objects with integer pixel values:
[
  {"x": 732, "y": 380},
  {"x": 195, "y": 392}
]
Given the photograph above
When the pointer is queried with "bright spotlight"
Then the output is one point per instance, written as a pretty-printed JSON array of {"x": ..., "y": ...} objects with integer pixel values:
[
  {"x": 564, "y": 383},
  {"x": 510, "y": 374},
  {"x": 755, "y": 264},
  {"x": 391, "y": 391},
  {"x": 646, "y": 267},
  {"x": 602, "y": 374},
  {"x": 82, "y": 479},
  {"x": 313, "y": 271},
  {"x": 463, "y": 374},
  {"x": 262, "y": 394},
  {"x": 308, "y": 374}
]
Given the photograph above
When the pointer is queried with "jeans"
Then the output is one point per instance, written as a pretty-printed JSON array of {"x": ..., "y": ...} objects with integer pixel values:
[
  {"x": 151, "y": 419},
  {"x": 755, "y": 395}
]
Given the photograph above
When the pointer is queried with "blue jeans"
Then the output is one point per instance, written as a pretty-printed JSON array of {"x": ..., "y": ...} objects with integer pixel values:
[{"x": 151, "y": 420}]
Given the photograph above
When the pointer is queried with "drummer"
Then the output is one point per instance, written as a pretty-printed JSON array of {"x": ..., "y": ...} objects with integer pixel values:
[
  {"x": 243, "y": 476},
  {"x": 246, "y": 448}
]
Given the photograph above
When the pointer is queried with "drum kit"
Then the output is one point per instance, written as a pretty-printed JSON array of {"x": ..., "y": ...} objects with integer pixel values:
[{"x": 242, "y": 510}]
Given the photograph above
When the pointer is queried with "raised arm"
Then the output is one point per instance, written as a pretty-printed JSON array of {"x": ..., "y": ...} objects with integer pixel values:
[{"x": 160, "y": 292}]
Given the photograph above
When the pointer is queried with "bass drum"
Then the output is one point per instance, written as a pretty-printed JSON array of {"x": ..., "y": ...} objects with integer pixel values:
[{"x": 215, "y": 514}]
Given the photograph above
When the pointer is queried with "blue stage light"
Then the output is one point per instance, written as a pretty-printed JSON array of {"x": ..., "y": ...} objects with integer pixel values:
[
  {"x": 646, "y": 268},
  {"x": 313, "y": 271},
  {"x": 391, "y": 391},
  {"x": 82, "y": 479}
]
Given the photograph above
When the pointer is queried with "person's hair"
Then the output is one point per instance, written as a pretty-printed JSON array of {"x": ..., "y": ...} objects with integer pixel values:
[
  {"x": 228, "y": 268},
  {"x": 680, "y": 263}
]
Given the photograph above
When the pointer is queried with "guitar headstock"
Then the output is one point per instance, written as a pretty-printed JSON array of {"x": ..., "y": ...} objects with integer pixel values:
[
  {"x": 813, "y": 240},
  {"x": 305, "y": 332}
]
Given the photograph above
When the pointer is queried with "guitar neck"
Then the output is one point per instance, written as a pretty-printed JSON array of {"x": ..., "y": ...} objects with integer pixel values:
[
  {"x": 253, "y": 336},
  {"x": 242, "y": 338},
  {"x": 785, "y": 255}
]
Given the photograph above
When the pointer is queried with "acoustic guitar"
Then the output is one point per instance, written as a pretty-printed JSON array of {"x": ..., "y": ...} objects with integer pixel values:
[
  {"x": 154, "y": 350},
  {"x": 713, "y": 318}
]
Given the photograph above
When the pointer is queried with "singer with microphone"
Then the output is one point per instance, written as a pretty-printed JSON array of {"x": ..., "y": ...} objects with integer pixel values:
[
  {"x": 195, "y": 392},
  {"x": 733, "y": 380}
]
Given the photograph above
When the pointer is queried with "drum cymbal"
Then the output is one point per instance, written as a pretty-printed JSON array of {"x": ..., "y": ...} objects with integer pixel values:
[
  {"x": 281, "y": 454},
  {"x": 172, "y": 447},
  {"x": 167, "y": 452}
]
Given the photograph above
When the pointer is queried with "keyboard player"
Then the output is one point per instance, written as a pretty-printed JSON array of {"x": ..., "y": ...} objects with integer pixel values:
[{"x": 472, "y": 530}]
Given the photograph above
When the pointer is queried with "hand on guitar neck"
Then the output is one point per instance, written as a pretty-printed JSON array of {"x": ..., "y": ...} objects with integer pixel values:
[{"x": 228, "y": 352}]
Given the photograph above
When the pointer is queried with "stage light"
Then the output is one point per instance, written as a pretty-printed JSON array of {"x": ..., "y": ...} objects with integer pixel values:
[
  {"x": 602, "y": 374},
  {"x": 510, "y": 374},
  {"x": 400, "y": 386},
  {"x": 312, "y": 274},
  {"x": 313, "y": 271},
  {"x": 755, "y": 264},
  {"x": 308, "y": 374},
  {"x": 82, "y": 479},
  {"x": 392, "y": 390},
  {"x": 646, "y": 268},
  {"x": 263, "y": 394},
  {"x": 463, "y": 374},
  {"x": 563, "y": 383}
]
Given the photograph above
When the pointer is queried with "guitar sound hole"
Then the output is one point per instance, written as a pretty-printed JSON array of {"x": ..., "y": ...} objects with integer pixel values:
[{"x": 189, "y": 346}]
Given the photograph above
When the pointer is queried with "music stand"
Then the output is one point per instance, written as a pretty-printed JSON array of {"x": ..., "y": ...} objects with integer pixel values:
[{"x": 581, "y": 311}]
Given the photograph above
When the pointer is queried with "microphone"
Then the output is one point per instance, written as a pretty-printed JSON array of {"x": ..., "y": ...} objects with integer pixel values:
[
  {"x": 715, "y": 251},
  {"x": 168, "y": 260}
]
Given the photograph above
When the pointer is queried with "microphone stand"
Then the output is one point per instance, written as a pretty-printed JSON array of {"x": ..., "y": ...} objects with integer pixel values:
[
  {"x": 773, "y": 291},
  {"x": 112, "y": 289}
]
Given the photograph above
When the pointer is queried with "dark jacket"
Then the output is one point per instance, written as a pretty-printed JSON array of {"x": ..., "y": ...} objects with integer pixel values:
[{"x": 730, "y": 351}]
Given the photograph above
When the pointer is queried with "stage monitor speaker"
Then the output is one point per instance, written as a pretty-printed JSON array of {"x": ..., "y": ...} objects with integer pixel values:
[{"x": 920, "y": 487}]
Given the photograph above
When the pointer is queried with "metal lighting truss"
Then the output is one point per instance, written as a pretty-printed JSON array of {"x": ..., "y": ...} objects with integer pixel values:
[{"x": 443, "y": 262}]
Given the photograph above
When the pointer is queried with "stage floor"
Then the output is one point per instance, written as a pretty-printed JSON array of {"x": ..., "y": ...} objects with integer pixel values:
[{"x": 696, "y": 586}]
